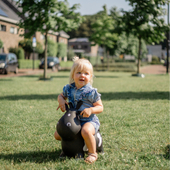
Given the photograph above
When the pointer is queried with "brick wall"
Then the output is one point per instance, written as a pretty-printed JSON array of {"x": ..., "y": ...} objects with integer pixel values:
[
  {"x": 63, "y": 40},
  {"x": 10, "y": 39}
]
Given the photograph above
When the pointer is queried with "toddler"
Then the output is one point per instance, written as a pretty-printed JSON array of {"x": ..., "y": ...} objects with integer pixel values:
[{"x": 80, "y": 88}]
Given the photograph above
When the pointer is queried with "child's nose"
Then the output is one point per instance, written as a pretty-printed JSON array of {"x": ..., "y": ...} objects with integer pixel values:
[{"x": 82, "y": 74}]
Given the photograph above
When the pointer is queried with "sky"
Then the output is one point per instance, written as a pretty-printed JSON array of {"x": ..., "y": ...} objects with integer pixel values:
[{"x": 90, "y": 7}]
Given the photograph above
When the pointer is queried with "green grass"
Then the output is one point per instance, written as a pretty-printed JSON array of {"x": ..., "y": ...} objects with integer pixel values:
[{"x": 134, "y": 123}]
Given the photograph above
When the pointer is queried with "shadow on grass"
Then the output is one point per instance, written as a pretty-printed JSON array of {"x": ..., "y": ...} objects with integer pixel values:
[
  {"x": 6, "y": 80},
  {"x": 155, "y": 95},
  {"x": 149, "y": 157},
  {"x": 106, "y": 76},
  {"x": 40, "y": 75},
  {"x": 32, "y": 156}
]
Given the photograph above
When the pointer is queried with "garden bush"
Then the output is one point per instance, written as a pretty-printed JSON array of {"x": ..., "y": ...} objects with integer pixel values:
[
  {"x": 28, "y": 63},
  {"x": 51, "y": 48},
  {"x": 18, "y": 51},
  {"x": 155, "y": 60}
]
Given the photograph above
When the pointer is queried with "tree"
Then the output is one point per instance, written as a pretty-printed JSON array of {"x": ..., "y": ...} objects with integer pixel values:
[
  {"x": 85, "y": 29},
  {"x": 144, "y": 22},
  {"x": 45, "y": 16},
  {"x": 103, "y": 31}
]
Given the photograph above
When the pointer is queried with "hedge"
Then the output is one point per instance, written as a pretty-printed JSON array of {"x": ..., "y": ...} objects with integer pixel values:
[{"x": 23, "y": 63}]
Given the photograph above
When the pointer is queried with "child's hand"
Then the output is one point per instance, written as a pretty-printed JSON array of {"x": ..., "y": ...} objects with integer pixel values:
[
  {"x": 62, "y": 102},
  {"x": 86, "y": 112},
  {"x": 62, "y": 106}
]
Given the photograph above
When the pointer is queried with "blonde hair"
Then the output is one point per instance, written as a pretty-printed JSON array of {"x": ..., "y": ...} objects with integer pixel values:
[{"x": 82, "y": 64}]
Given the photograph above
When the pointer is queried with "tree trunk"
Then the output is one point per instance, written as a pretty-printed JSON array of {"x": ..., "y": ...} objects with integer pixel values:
[
  {"x": 107, "y": 60},
  {"x": 45, "y": 57},
  {"x": 139, "y": 54},
  {"x": 167, "y": 66},
  {"x": 167, "y": 59}
]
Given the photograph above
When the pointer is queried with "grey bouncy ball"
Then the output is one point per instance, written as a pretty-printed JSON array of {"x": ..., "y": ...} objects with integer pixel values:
[{"x": 69, "y": 129}]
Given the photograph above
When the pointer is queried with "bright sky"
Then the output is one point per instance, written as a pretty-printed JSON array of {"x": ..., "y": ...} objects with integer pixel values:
[{"x": 90, "y": 7}]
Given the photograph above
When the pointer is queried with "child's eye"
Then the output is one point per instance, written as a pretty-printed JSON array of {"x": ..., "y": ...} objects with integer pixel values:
[
  {"x": 86, "y": 73},
  {"x": 79, "y": 72}
]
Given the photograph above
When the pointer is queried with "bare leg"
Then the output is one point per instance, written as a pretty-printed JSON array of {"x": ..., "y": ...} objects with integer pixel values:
[
  {"x": 87, "y": 133},
  {"x": 56, "y": 135}
]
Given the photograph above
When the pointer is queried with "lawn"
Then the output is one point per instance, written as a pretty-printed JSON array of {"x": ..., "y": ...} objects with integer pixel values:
[{"x": 134, "y": 123}]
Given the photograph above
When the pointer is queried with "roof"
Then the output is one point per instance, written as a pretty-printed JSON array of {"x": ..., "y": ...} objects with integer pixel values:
[
  {"x": 64, "y": 34},
  {"x": 79, "y": 40},
  {"x": 7, "y": 13}
]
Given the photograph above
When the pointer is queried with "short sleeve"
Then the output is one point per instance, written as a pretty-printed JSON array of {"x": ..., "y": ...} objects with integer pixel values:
[
  {"x": 65, "y": 90},
  {"x": 94, "y": 96}
]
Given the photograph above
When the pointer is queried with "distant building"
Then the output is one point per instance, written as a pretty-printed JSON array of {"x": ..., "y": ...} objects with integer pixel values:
[
  {"x": 157, "y": 50},
  {"x": 83, "y": 46}
]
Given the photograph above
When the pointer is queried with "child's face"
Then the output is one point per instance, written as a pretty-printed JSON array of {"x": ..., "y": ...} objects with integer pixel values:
[{"x": 81, "y": 77}]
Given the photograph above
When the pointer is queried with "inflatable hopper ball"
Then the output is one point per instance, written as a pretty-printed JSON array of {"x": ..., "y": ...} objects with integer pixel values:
[{"x": 69, "y": 129}]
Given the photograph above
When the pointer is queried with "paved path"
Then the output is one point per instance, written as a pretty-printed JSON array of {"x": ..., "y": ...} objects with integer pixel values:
[{"x": 151, "y": 69}]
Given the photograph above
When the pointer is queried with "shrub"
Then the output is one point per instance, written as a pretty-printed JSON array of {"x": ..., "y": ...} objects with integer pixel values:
[
  {"x": 28, "y": 63},
  {"x": 1, "y": 44},
  {"x": 62, "y": 50},
  {"x": 18, "y": 51},
  {"x": 51, "y": 48},
  {"x": 155, "y": 60},
  {"x": 70, "y": 53},
  {"x": 26, "y": 44}
]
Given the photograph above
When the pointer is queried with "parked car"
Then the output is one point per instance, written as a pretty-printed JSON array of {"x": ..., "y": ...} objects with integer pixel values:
[
  {"x": 8, "y": 63},
  {"x": 52, "y": 62}
]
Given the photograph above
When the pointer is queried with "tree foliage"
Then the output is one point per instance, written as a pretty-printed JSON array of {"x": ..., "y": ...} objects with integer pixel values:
[
  {"x": 45, "y": 16},
  {"x": 144, "y": 21},
  {"x": 85, "y": 29},
  {"x": 103, "y": 30}
]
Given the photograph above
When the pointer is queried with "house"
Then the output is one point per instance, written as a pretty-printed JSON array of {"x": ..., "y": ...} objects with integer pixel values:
[
  {"x": 83, "y": 46},
  {"x": 10, "y": 33}
]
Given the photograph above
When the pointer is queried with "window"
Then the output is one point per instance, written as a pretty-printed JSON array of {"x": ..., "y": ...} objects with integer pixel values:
[
  {"x": 11, "y": 57},
  {"x": 2, "y": 27},
  {"x": 12, "y": 30}
]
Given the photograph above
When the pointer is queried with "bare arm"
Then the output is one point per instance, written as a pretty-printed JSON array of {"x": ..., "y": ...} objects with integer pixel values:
[
  {"x": 98, "y": 108},
  {"x": 62, "y": 101}
]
